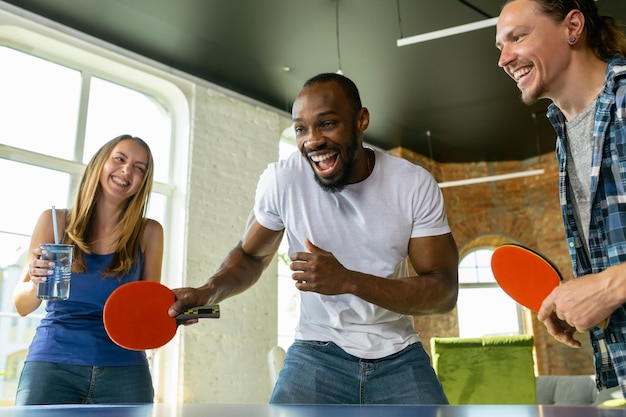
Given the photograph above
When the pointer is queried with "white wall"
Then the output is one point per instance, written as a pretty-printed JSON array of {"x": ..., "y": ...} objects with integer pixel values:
[{"x": 225, "y": 360}]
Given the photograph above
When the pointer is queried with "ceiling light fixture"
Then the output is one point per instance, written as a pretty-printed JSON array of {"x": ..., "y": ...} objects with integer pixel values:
[
  {"x": 470, "y": 181},
  {"x": 447, "y": 32},
  {"x": 479, "y": 180}
]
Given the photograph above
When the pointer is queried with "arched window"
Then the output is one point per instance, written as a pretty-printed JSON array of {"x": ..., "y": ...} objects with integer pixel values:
[{"x": 483, "y": 307}]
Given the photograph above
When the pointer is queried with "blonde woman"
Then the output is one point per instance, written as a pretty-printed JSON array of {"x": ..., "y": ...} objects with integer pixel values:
[{"x": 71, "y": 359}]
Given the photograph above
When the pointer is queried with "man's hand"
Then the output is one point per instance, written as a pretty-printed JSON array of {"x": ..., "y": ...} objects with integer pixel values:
[
  {"x": 560, "y": 330},
  {"x": 187, "y": 298},
  {"x": 581, "y": 303},
  {"x": 319, "y": 271}
]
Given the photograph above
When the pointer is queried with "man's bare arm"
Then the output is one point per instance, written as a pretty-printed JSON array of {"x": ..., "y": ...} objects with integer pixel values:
[{"x": 241, "y": 269}]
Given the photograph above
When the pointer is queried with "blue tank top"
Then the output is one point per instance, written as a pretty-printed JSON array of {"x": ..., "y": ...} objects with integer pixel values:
[{"x": 72, "y": 332}]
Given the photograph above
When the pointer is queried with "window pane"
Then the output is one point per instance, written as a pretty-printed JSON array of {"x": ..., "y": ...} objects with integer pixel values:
[
  {"x": 486, "y": 311},
  {"x": 115, "y": 110},
  {"x": 37, "y": 189},
  {"x": 483, "y": 257},
  {"x": 157, "y": 207},
  {"x": 485, "y": 274},
  {"x": 15, "y": 333},
  {"x": 475, "y": 267},
  {"x": 39, "y": 104},
  {"x": 468, "y": 275},
  {"x": 13, "y": 248}
]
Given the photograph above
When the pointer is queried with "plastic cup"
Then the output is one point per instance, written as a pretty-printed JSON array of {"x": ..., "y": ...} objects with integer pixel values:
[{"x": 57, "y": 287}]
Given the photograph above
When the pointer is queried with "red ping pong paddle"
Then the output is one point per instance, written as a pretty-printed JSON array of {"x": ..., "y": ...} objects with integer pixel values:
[
  {"x": 135, "y": 315},
  {"x": 525, "y": 275}
]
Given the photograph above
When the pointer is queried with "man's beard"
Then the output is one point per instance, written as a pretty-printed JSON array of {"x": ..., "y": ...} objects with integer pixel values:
[
  {"x": 528, "y": 100},
  {"x": 533, "y": 96},
  {"x": 348, "y": 167}
]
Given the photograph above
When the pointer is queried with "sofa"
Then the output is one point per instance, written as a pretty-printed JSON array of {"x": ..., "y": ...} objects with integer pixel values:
[{"x": 575, "y": 390}]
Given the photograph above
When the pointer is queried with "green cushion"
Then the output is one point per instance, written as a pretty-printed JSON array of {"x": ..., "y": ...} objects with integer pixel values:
[
  {"x": 487, "y": 370},
  {"x": 613, "y": 403}
]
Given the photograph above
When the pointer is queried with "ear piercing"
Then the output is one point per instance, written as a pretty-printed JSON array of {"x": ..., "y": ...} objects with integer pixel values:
[{"x": 572, "y": 40}]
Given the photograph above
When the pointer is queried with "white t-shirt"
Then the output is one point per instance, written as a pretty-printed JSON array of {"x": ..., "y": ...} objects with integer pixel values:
[{"x": 367, "y": 227}]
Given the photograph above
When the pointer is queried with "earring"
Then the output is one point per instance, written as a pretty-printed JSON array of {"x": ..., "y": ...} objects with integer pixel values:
[{"x": 572, "y": 40}]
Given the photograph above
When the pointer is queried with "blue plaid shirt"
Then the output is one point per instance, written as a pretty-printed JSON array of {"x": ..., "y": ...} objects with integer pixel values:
[{"x": 607, "y": 231}]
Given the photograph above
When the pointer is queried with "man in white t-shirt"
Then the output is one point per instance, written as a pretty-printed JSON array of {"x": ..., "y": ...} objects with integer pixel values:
[{"x": 353, "y": 216}]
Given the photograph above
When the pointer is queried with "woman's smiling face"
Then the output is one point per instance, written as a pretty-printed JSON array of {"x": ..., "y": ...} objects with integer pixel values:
[{"x": 125, "y": 168}]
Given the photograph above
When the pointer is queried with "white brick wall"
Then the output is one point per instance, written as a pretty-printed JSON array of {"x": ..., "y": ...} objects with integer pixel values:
[{"x": 224, "y": 361}]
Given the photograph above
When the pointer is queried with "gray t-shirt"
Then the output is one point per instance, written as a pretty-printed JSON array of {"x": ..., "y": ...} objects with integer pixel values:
[{"x": 579, "y": 153}]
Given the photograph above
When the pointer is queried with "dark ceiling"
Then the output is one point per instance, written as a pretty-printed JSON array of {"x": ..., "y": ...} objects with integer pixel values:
[{"x": 450, "y": 87}]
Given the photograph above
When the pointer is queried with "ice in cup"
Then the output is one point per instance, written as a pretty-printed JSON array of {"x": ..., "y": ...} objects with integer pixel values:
[{"x": 57, "y": 286}]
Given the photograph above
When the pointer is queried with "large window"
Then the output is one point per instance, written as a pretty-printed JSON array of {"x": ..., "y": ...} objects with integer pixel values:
[
  {"x": 57, "y": 107},
  {"x": 483, "y": 307}
]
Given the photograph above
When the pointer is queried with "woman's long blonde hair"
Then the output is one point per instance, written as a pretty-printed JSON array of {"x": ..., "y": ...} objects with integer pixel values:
[{"x": 79, "y": 222}]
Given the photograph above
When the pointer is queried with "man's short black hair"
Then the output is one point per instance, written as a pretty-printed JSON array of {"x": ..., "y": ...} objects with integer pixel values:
[{"x": 347, "y": 85}]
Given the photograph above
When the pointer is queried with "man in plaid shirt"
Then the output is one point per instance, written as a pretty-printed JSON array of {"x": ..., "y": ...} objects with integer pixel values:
[{"x": 564, "y": 51}]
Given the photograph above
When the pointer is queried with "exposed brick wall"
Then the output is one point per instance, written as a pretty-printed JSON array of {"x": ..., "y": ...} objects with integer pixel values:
[{"x": 523, "y": 210}]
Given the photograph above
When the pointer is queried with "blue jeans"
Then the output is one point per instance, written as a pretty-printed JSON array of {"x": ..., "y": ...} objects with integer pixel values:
[
  {"x": 55, "y": 383},
  {"x": 322, "y": 373}
]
